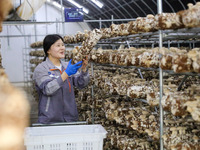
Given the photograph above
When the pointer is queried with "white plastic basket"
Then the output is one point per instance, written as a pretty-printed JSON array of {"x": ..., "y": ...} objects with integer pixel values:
[{"x": 73, "y": 137}]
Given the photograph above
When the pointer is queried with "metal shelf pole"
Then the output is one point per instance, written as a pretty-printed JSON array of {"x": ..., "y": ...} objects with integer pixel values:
[
  {"x": 100, "y": 23},
  {"x": 63, "y": 16},
  {"x": 159, "y": 2},
  {"x": 193, "y": 44},
  {"x": 112, "y": 18},
  {"x": 92, "y": 69}
]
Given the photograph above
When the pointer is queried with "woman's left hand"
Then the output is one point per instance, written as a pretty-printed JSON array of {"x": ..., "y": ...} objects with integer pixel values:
[{"x": 84, "y": 64}]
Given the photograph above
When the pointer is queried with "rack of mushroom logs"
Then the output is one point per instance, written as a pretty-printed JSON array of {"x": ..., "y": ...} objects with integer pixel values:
[{"x": 116, "y": 81}]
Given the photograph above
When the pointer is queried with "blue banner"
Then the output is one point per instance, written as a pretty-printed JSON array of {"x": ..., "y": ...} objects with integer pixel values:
[{"x": 73, "y": 14}]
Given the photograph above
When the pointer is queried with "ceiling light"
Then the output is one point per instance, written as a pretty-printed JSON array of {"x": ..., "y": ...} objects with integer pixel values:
[
  {"x": 79, "y": 6},
  {"x": 56, "y": 4},
  {"x": 98, "y": 3}
]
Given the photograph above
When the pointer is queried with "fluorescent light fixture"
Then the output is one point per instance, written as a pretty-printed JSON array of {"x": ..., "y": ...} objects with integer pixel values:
[
  {"x": 79, "y": 6},
  {"x": 98, "y": 3},
  {"x": 56, "y": 4}
]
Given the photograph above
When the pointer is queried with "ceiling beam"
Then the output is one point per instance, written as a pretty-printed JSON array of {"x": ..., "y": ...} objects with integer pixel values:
[
  {"x": 148, "y": 7},
  {"x": 182, "y": 4},
  {"x": 156, "y": 5},
  {"x": 116, "y": 8},
  {"x": 99, "y": 15},
  {"x": 132, "y": 9},
  {"x": 170, "y": 6},
  {"x": 124, "y": 9},
  {"x": 96, "y": 7},
  {"x": 99, "y": 10},
  {"x": 139, "y": 8}
]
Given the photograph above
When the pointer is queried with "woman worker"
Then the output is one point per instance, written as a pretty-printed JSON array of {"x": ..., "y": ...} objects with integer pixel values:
[{"x": 54, "y": 81}]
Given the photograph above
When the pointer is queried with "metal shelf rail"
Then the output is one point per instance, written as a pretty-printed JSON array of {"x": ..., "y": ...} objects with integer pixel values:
[
  {"x": 171, "y": 72},
  {"x": 153, "y": 37}
]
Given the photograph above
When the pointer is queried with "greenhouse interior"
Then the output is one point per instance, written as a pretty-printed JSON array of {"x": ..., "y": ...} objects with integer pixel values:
[{"x": 99, "y": 74}]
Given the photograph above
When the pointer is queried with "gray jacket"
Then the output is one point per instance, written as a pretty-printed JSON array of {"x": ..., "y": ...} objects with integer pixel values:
[{"x": 56, "y": 98}]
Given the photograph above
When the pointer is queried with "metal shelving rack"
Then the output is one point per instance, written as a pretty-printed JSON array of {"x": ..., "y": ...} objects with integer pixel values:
[
  {"x": 171, "y": 72},
  {"x": 161, "y": 37},
  {"x": 162, "y": 40}
]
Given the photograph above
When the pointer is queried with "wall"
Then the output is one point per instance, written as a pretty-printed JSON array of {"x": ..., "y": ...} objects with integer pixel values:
[{"x": 14, "y": 48}]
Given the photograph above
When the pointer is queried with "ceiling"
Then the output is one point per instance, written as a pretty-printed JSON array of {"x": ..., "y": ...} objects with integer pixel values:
[{"x": 126, "y": 9}]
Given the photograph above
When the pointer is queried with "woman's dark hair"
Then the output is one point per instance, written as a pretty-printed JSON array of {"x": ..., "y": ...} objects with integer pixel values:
[{"x": 48, "y": 41}]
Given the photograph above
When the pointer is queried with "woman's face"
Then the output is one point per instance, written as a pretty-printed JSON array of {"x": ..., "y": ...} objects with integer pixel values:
[{"x": 57, "y": 50}]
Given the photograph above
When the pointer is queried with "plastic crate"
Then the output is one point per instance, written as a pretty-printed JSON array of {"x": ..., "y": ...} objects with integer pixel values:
[{"x": 73, "y": 137}]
